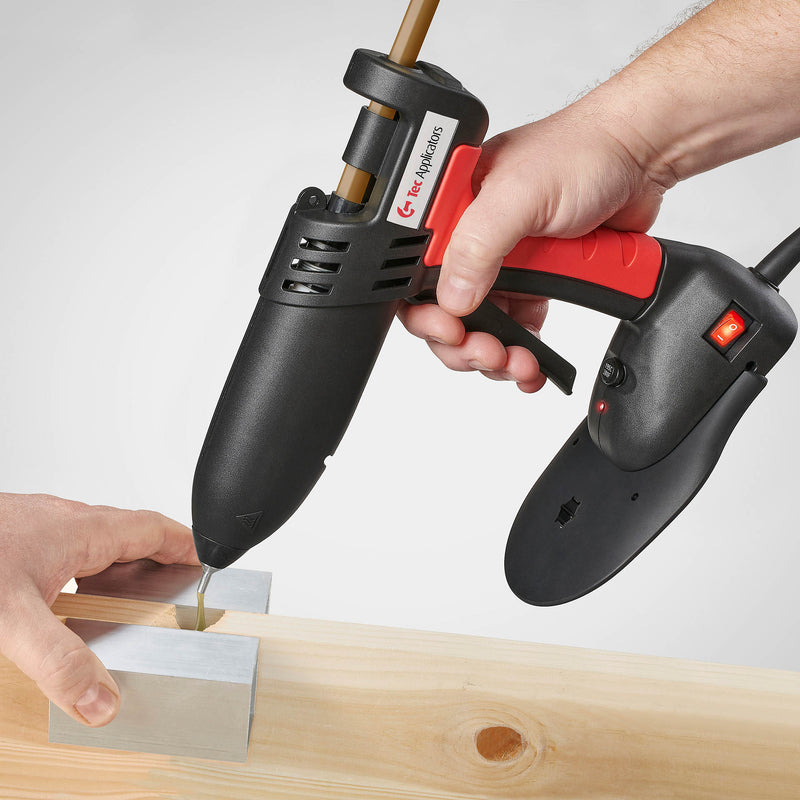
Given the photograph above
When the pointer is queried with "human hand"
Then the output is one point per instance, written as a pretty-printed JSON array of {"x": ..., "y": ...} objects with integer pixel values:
[
  {"x": 45, "y": 542},
  {"x": 562, "y": 176}
]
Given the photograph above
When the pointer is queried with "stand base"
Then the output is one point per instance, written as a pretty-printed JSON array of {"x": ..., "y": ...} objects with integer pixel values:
[{"x": 585, "y": 518}]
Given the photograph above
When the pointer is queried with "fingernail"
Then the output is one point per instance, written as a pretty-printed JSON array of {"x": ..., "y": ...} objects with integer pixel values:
[
  {"x": 435, "y": 339},
  {"x": 97, "y": 705},
  {"x": 456, "y": 294},
  {"x": 478, "y": 365}
]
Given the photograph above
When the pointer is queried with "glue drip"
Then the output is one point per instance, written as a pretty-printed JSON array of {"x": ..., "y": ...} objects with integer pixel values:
[{"x": 200, "y": 625}]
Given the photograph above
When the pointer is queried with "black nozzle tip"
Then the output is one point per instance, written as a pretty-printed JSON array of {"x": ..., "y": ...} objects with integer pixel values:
[{"x": 214, "y": 554}]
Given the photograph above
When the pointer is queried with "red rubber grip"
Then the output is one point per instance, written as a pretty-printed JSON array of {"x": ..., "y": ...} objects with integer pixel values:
[{"x": 625, "y": 262}]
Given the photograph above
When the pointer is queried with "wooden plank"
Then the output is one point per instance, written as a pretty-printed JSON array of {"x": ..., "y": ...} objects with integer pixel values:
[{"x": 355, "y": 712}]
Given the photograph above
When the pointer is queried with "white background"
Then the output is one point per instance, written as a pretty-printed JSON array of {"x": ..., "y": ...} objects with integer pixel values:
[{"x": 149, "y": 152}]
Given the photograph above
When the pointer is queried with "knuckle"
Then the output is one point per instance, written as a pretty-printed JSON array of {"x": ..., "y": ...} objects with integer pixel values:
[
  {"x": 152, "y": 522},
  {"x": 57, "y": 506},
  {"x": 76, "y": 516},
  {"x": 144, "y": 517},
  {"x": 65, "y": 670},
  {"x": 154, "y": 517},
  {"x": 62, "y": 504},
  {"x": 471, "y": 256},
  {"x": 446, "y": 355}
]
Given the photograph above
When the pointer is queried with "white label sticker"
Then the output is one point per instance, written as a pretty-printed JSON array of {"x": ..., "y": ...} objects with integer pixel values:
[{"x": 422, "y": 170}]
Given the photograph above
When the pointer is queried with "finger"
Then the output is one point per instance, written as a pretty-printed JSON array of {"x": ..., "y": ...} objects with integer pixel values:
[
  {"x": 478, "y": 351},
  {"x": 430, "y": 322},
  {"x": 501, "y": 376},
  {"x": 58, "y": 660},
  {"x": 521, "y": 365},
  {"x": 637, "y": 216},
  {"x": 530, "y": 312},
  {"x": 529, "y": 387},
  {"x": 488, "y": 229},
  {"x": 113, "y": 534},
  {"x": 491, "y": 150},
  {"x": 148, "y": 534}
]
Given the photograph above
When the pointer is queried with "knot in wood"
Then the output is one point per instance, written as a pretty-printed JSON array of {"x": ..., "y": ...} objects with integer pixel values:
[{"x": 499, "y": 743}]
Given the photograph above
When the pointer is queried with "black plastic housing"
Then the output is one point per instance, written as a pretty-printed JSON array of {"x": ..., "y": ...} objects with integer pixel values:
[
  {"x": 585, "y": 518},
  {"x": 288, "y": 399},
  {"x": 371, "y": 259},
  {"x": 664, "y": 404},
  {"x": 327, "y": 300},
  {"x": 673, "y": 373}
]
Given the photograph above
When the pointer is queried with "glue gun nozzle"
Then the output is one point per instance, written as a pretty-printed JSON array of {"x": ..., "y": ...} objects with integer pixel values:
[
  {"x": 200, "y": 624},
  {"x": 205, "y": 578}
]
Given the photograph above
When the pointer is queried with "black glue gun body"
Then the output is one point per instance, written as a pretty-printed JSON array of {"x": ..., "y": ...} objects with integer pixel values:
[
  {"x": 698, "y": 334},
  {"x": 327, "y": 300}
]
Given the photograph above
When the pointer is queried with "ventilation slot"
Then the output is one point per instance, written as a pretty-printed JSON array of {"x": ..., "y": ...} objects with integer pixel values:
[
  {"x": 326, "y": 267},
  {"x": 305, "y": 288},
  {"x": 391, "y": 283},
  {"x": 322, "y": 244},
  {"x": 392, "y": 263},
  {"x": 317, "y": 267},
  {"x": 409, "y": 241}
]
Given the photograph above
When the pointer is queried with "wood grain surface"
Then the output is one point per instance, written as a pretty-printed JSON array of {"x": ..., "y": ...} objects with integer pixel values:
[{"x": 353, "y": 712}]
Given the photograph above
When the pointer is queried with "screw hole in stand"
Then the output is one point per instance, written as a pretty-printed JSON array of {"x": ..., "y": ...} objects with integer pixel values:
[{"x": 635, "y": 496}]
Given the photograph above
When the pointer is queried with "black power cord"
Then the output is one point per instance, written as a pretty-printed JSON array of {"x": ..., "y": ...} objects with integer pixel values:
[{"x": 775, "y": 266}]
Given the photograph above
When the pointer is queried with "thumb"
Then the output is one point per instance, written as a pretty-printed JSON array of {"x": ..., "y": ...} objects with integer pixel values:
[
  {"x": 488, "y": 229},
  {"x": 64, "y": 668},
  {"x": 638, "y": 215}
]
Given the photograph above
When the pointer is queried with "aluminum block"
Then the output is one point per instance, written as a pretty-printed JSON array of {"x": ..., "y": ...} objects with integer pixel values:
[
  {"x": 230, "y": 589},
  {"x": 183, "y": 692}
]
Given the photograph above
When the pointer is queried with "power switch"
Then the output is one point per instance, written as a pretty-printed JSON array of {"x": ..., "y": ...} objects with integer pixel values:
[
  {"x": 727, "y": 330},
  {"x": 612, "y": 373}
]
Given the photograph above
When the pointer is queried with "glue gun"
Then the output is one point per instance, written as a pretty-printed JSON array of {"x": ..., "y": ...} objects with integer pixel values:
[{"x": 697, "y": 336}]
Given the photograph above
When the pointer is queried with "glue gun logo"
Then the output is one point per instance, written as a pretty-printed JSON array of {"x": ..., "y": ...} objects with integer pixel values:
[
  {"x": 421, "y": 172},
  {"x": 423, "y": 168},
  {"x": 406, "y": 211}
]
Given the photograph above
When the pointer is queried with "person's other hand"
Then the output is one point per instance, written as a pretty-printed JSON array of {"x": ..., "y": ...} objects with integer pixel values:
[
  {"x": 46, "y": 541},
  {"x": 562, "y": 176}
]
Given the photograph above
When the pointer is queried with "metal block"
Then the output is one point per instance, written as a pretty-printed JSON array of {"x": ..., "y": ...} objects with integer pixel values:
[
  {"x": 183, "y": 693},
  {"x": 229, "y": 590}
]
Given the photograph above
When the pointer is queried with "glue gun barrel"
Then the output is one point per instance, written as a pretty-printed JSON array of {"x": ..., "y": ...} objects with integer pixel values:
[{"x": 291, "y": 392}]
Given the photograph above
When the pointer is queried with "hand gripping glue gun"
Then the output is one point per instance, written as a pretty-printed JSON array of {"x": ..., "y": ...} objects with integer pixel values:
[{"x": 698, "y": 334}]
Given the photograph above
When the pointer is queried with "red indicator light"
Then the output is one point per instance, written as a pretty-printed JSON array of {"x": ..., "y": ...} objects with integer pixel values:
[
  {"x": 729, "y": 328},
  {"x": 601, "y": 406}
]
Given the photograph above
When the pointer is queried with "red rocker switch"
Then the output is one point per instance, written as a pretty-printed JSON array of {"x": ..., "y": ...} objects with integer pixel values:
[{"x": 728, "y": 329}]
